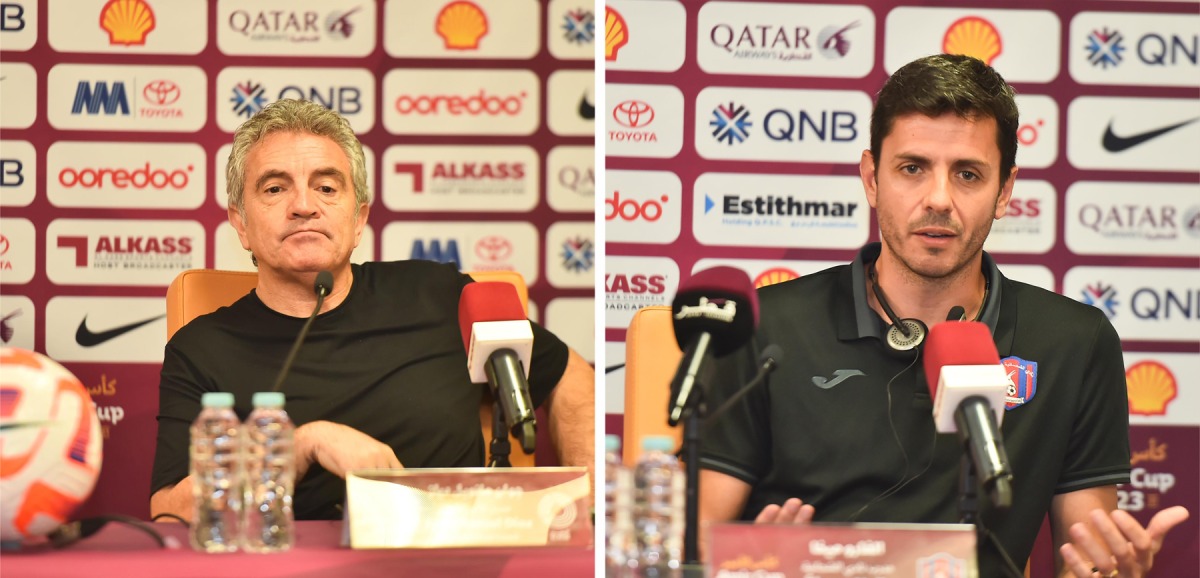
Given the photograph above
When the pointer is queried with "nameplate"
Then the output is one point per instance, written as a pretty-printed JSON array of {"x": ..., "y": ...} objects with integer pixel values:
[
  {"x": 468, "y": 507},
  {"x": 842, "y": 550}
]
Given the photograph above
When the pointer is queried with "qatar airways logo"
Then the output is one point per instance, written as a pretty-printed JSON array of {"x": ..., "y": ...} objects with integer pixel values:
[
  {"x": 1149, "y": 219},
  {"x": 462, "y": 101}
]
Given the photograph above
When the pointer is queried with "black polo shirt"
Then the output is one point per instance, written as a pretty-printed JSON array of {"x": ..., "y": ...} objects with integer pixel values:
[{"x": 869, "y": 429}]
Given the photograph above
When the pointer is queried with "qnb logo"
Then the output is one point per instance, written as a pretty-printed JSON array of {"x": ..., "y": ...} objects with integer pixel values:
[
  {"x": 578, "y": 254},
  {"x": 630, "y": 210},
  {"x": 493, "y": 248},
  {"x": 1157, "y": 50},
  {"x": 730, "y": 123},
  {"x": 579, "y": 26},
  {"x": 973, "y": 36},
  {"x": 143, "y": 177},
  {"x": 477, "y": 104},
  {"x": 826, "y": 126},
  {"x": 100, "y": 98},
  {"x": 127, "y": 21},
  {"x": 12, "y": 173},
  {"x": 12, "y": 18},
  {"x": 1104, "y": 47},
  {"x": 248, "y": 98},
  {"x": 161, "y": 92},
  {"x": 1165, "y": 304},
  {"x": 1102, "y": 297}
]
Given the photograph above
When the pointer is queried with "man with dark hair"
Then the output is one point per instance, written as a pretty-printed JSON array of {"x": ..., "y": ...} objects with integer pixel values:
[{"x": 862, "y": 446}]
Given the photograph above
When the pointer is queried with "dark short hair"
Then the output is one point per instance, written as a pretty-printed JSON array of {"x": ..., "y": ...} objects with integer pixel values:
[{"x": 935, "y": 85}]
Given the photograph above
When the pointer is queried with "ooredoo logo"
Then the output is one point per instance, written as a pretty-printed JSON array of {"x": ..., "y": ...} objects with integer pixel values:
[
  {"x": 125, "y": 175},
  {"x": 142, "y": 177},
  {"x": 477, "y": 104},
  {"x": 973, "y": 36},
  {"x": 631, "y": 210},
  {"x": 633, "y": 114}
]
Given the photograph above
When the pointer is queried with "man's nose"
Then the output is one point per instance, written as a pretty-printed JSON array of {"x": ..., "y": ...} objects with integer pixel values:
[
  {"x": 301, "y": 203},
  {"x": 939, "y": 198}
]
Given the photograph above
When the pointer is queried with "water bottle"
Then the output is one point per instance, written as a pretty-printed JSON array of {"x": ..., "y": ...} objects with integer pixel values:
[
  {"x": 216, "y": 472},
  {"x": 270, "y": 476},
  {"x": 619, "y": 554},
  {"x": 659, "y": 509}
]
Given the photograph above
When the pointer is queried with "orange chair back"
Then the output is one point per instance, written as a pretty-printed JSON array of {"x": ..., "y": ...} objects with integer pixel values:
[{"x": 651, "y": 356}]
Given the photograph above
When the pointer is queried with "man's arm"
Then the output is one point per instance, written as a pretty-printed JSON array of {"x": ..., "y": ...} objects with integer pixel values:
[
  {"x": 572, "y": 413},
  {"x": 1091, "y": 535},
  {"x": 1072, "y": 508}
]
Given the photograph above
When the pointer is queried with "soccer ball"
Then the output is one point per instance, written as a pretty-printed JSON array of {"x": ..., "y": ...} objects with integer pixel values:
[{"x": 50, "y": 445}]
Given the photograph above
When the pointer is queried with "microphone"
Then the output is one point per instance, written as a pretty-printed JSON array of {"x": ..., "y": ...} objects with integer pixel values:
[
  {"x": 499, "y": 343},
  {"x": 322, "y": 286},
  {"x": 767, "y": 362},
  {"x": 966, "y": 381},
  {"x": 957, "y": 313},
  {"x": 716, "y": 312}
]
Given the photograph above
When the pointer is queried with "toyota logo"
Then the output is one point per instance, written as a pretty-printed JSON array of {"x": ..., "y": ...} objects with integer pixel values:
[
  {"x": 161, "y": 92},
  {"x": 633, "y": 114},
  {"x": 493, "y": 248},
  {"x": 3, "y": 244}
]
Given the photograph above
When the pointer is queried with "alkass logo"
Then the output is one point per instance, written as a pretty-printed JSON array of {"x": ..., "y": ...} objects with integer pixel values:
[
  {"x": 479, "y": 171},
  {"x": 616, "y": 33},
  {"x": 774, "y": 275},
  {"x": 730, "y": 123},
  {"x": 127, "y": 21},
  {"x": 1151, "y": 387},
  {"x": 973, "y": 36},
  {"x": 478, "y": 104},
  {"x": 161, "y": 92},
  {"x": 635, "y": 284},
  {"x": 461, "y": 25},
  {"x": 142, "y": 178},
  {"x": 630, "y": 210},
  {"x": 579, "y": 26},
  {"x": 493, "y": 248}
]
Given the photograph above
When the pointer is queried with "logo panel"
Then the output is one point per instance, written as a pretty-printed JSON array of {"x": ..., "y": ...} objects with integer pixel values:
[
  {"x": 19, "y": 27},
  {"x": 475, "y": 246},
  {"x": 571, "y": 255},
  {"x": 1135, "y": 49},
  {"x": 125, "y": 175},
  {"x": 643, "y": 120},
  {"x": 1133, "y": 219},
  {"x": 296, "y": 28},
  {"x": 477, "y": 29},
  {"x": 460, "y": 178},
  {"x": 1150, "y": 303},
  {"x": 129, "y": 27},
  {"x": 461, "y": 101},
  {"x": 631, "y": 283},
  {"x": 782, "y": 211},
  {"x": 764, "y": 124},
  {"x": 786, "y": 40},
  {"x": 18, "y": 167},
  {"x": 1037, "y": 134},
  {"x": 571, "y": 31},
  {"x": 1030, "y": 224},
  {"x": 765, "y": 272},
  {"x": 571, "y": 179},
  {"x": 1155, "y": 134},
  {"x": 127, "y": 98},
  {"x": 17, "y": 251},
  {"x": 642, "y": 206},
  {"x": 648, "y": 36},
  {"x": 1022, "y": 45},
  {"x": 1159, "y": 393},
  {"x": 122, "y": 252},
  {"x": 106, "y": 329},
  {"x": 571, "y": 103},
  {"x": 19, "y": 93},
  {"x": 573, "y": 319},
  {"x": 241, "y": 92},
  {"x": 17, "y": 321}
]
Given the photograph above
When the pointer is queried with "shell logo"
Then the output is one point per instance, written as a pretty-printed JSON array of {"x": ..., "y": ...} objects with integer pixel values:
[
  {"x": 973, "y": 36},
  {"x": 461, "y": 25},
  {"x": 774, "y": 275},
  {"x": 127, "y": 21},
  {"x": 1151, "y": 386},
  {"x": 616, "y": 33}
]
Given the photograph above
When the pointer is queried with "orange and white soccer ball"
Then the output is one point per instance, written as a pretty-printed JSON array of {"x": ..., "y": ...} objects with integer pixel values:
[{"x": 50, "y": 445}]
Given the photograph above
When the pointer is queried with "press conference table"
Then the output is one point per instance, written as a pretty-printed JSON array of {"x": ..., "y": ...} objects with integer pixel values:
[{"x": 124, "y": 552}]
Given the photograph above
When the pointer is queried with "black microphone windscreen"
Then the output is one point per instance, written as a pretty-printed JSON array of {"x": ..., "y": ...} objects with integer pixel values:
[
  {"x": 721, "y": 302},
  {"x": 956, "y": 313},
  {"x": 324, "y": 283},
  {"x": 772, "y": 353}
]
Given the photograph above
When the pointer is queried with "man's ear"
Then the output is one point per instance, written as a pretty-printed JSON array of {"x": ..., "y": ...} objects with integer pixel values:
[
  {"x": 364, "y": 210},
  {"x": 1005, "y": 194},
  {"x": 235, "y": 219},
  {"x": 866, "y": 171}
]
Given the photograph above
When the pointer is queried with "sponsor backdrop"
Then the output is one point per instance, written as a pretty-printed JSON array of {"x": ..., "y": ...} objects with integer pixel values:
[
  {"x": 476, "y": 116},
  {"x": 733, "y": 132}
]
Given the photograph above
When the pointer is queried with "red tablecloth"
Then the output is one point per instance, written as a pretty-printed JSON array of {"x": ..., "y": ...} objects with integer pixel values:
[{"x": 120, "y": 551}]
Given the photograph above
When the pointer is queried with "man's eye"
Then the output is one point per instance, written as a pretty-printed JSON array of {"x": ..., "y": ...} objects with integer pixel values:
[
  {"x": 274, "y": 189},
  {"x": 910, "y": 169},
  {"x": 326, "y": 189},
  {"x": 968, "y": 176}
]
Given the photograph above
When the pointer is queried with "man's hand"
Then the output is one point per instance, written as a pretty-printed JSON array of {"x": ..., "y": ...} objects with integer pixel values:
[
  {"x": 1116, "y": 544},
  {"x": 339, "y": 449},
  {"x": 793, "y": 511}
]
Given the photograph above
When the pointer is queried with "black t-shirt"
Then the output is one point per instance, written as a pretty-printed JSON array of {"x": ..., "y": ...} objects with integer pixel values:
[
  {"x": 820, "y": 429},
  {"x": 388, "y": 361}
]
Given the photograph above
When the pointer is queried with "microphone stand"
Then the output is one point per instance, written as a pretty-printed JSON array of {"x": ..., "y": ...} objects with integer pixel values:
[
  {"x": 695, "y": 410},
  {"x": 500, "y": 446},
  {"x": 968, "y": 493}
]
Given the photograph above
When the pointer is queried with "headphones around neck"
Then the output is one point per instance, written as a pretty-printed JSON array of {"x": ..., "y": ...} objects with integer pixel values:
[{"x": 905, "y": 335}]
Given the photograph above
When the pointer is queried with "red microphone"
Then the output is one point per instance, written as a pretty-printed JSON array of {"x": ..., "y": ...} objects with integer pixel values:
[
  {"x": 967, "y": 382},
  {"x": 499, "y": 343}
]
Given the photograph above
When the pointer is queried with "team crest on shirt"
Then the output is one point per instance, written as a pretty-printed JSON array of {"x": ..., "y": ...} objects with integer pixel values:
[
  {"x": 1023, "y": 377},
  {"x": 941, "y": 565}
]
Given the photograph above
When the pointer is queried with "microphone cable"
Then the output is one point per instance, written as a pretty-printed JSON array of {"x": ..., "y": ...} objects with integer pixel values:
[
  {"x": 322, "y": 287},
  {"x": 768, "y": 361}
]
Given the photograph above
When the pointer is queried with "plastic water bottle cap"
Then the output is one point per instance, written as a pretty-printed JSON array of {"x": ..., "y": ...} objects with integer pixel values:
[
  {"x": 267, "y": 399},
  {"x": 658, "y": 443},
  {"x": 217, "y": 399},
  {"x": 612, "y": 443}
]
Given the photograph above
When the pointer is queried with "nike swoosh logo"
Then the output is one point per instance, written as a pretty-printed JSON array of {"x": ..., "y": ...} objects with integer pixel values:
[
  {"x": 586, "y": 109},
  {"x": 1115, "y": 144},
  {"x": 838, "y": 377},
  {"x": 87, "y": 338}
]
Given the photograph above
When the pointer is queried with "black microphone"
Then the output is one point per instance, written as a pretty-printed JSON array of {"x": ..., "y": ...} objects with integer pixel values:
[
  {"x": 715, "y": 312},
  {"x": 767, "y": 362},
  {"x": 322, "y": 286},
  {"x": 957, "y": 313}
]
